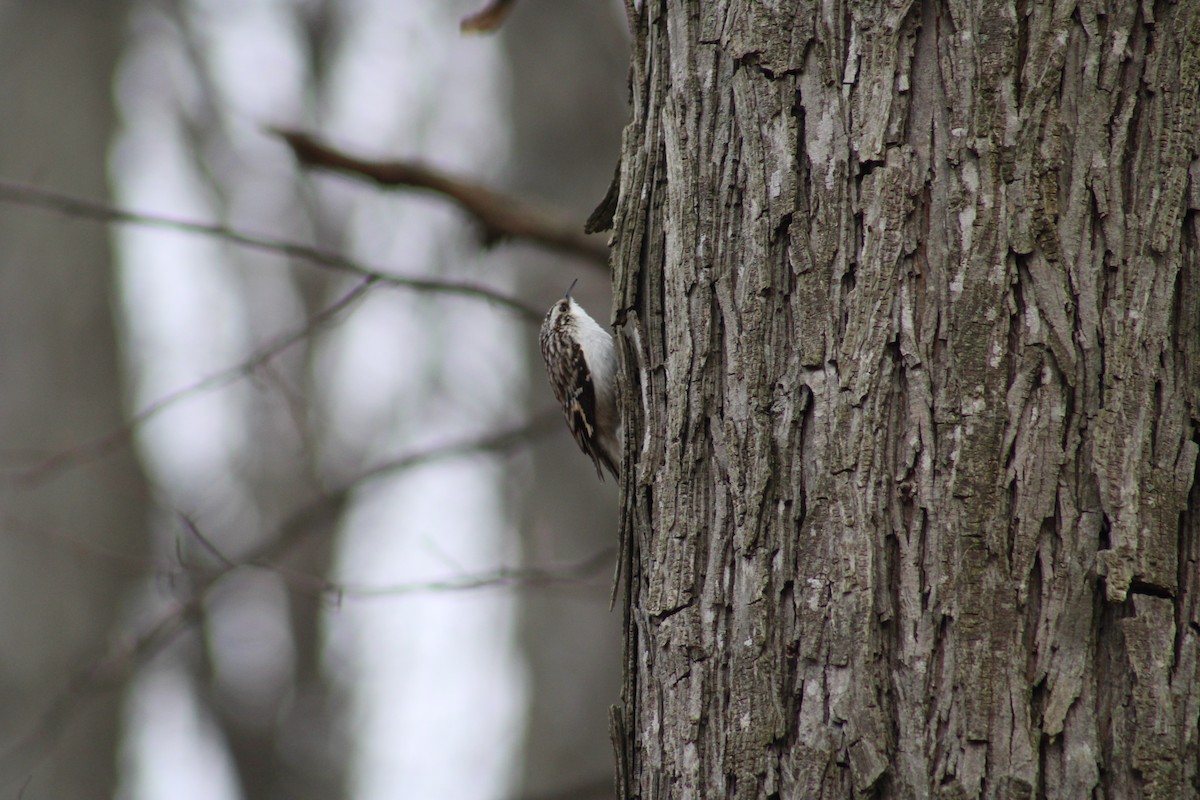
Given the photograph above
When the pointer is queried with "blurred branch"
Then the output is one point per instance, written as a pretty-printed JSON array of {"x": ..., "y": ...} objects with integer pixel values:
[
  {"x": 333, "y": 500},
  {"x": 118, "y": 437},
  {"x": 77, "y": 546},
  {"x": 498, "y": 441},
  {"x": 111, "y": 669},
  {"x": 39, "y": 197},
  {"x": 501, "y": 577},
  {"x": 192, "y": 528},
  {"x": 501, "y": 216},
  {"x": 599, "y": 787},
  {"x": 329, "y": 504},
  {"x": 487, "y": 19},
  {"x": 106, "y": 673}
]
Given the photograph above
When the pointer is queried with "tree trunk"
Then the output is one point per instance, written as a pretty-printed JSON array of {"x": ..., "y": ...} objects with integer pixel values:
[{"x": 911, "y": 505}]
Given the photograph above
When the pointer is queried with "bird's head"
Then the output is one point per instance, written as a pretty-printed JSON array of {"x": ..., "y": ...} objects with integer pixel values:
[{"x": 562, "y": 313}]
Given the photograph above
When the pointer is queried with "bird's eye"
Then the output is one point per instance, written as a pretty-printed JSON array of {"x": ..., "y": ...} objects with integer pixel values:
[{"x": 563, "y": 305}]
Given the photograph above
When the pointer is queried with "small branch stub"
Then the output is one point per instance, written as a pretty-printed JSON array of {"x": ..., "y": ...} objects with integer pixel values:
[{"x": 487, "y": 19}]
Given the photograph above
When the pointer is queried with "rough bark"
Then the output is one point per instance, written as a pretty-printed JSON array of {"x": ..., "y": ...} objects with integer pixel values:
[{"x": 911, "y": 501}]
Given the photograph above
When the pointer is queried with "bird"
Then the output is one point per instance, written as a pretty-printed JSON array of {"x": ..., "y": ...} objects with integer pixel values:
[{"x": 581, "y": 363}]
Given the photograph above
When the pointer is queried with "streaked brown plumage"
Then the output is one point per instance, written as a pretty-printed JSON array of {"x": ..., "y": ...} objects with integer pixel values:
[{"x": 581, "y": 364}]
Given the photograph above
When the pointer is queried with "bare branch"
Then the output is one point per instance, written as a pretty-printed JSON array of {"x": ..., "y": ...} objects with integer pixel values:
[
  {"x": 494, "y": 442},
  {"x": 329, "y": 504},
  {"x": 487, "y": 19},
  {"x": 36, "y": 196},
  {"x": 501, "y": 577},
  {"x": 325, "y": 509},
  {"x": 117, "y": 438},
  {"x": 123, "y": 656},
  {"x": 501, "y": 216},
  {"x": 191, "y": 527},
  {"x": 107, "y": 673}
]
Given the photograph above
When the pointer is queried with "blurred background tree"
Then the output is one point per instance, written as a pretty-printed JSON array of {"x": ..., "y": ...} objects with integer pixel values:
[
  {"x": 63, "y": 577},
  {"x": 351, "y": 661},
  {"x": 567, "y": 63}
]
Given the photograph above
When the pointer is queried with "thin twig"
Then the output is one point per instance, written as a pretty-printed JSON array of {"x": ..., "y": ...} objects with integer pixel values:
[
  {"x": 497, "y": 441},
  {"x": 108, "y": 672},
  {"x": 500, "y": 216},
  {"x": 501, "y": 577},
  {"x": 116, "y": 438},
  {"x": 116, "y": 665},
  {"x": 190, "y": 525},
  {"x": 328, "y": 505},
  {"x": 40, "y": 197}
]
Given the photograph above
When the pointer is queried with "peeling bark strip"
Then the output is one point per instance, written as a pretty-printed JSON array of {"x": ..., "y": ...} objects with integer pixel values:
[{"x": 911, "y": 496}]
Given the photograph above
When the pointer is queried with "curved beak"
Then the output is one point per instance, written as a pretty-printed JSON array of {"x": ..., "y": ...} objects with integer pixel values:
[{"x": 571, "y": 288}]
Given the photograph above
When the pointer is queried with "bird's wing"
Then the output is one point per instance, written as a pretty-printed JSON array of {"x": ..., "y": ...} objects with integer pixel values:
[{"x": 580, "y": 409}]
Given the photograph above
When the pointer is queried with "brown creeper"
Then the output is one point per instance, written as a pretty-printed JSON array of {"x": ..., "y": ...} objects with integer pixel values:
[{"x": 582, "y": 366}]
